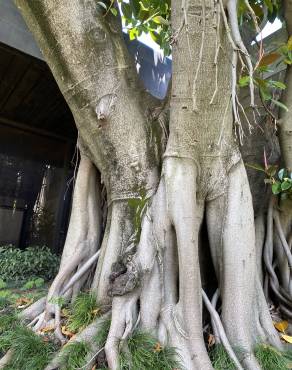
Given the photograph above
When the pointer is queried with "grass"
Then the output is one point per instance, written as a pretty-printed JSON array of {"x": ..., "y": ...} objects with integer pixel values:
[
  {"x": 30, "y": 352},
  {"x": 84, "y": 310},
  {"x": 101, "y": 336},
  {"x": 220, "y": 358},
  {"x": 145, "y": 353},
  {"x": 271, "y": 359},
  {"x": 8, "y": 321},
  {"x": 74, "y": 355}
]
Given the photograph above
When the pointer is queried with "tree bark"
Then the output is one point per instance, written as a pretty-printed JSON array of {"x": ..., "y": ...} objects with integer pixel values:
[{"x": 158, "y": 279}]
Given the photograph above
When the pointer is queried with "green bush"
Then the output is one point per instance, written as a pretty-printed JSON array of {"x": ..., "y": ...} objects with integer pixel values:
[{"x": 32, "y": 262}]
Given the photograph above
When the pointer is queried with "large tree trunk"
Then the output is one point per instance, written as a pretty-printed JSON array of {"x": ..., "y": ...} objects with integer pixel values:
[{"x": 156, "y": 277}]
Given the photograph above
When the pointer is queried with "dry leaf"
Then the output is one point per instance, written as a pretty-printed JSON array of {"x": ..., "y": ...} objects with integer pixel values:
[
  {"x": 269, "y": 59},
  {"x": 211, "y": 340},
  {"x": 158, "y": 347},
  {"x": 281, "y": 326},
  {"x": 287, "y": 338},
  {"x": 23, "y": 302},
  {"x": 48, "y": 328},
  {"x": 96, "y": 311},
  {"x": 66, "y": 332},
  {"x": 65, "y": 312}
]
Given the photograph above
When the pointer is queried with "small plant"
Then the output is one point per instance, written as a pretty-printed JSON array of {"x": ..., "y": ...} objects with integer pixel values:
[
  {"x": 146, "y": 353},
  {"x": 84, "y": 310},
  {"x": 220, "y": 359},
  {"x": 280, "y": 180},
  {"x": 74, "y": 355},
  {"x": 34, "y": 283},
  {"x": 27, "y": 264},
  {"x": 30, "y": 352},
  {"x": 269, "y": 358}
]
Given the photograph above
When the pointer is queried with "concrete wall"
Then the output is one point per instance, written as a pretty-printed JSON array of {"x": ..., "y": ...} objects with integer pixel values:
[
  {"x": 10, "y": 226},
  {"x": 13, "y": 30}
]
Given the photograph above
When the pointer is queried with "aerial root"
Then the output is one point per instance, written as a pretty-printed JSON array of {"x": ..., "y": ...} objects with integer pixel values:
[
  {"x": 219, "y": 329},
  {"x": 44, "y": 311}
]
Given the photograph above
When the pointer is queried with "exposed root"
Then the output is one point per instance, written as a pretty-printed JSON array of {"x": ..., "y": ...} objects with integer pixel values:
[
  {"x": 4, "y": 361},
  {"x": 87, "y": 335}
]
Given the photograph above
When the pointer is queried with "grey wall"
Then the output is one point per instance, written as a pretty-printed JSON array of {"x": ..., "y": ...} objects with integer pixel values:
[{"x": 13, "y": 30}]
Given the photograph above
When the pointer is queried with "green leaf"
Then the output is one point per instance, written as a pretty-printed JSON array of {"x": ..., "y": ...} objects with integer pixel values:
[
  {"x": 279, "y": 104},
  {"x": 244, "y": 81},
  {"x": 160, "y": 20},
  {"x": 255, "y": 166},
  {"x": 265, "y": 94},
  {"x": 126, "y": 10},
  {"x": 155, "y": 36},
  {"x": 286, "y": 185},
  {"x": 276, "y": 188},
  {"x": 100, "y": 3},
  {"x": 278, "y": 84},
  {"x": 114, "y": 11},
  {"x": 133, "y": 33},
  {"x": 272, "y": 170}
]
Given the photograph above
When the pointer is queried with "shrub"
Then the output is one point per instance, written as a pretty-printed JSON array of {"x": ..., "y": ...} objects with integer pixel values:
[{"x": 32, "y": 262}]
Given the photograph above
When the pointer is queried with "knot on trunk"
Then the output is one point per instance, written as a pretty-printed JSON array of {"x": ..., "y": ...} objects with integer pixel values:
[
  {"x": 104, "y": 108},
  {"x": 124, "y": 278}
]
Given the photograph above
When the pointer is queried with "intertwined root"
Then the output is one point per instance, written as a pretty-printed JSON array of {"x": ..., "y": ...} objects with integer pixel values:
[
  {"x": 174, "y": 315},
  {"x": 159, "y": 289},
  {"x": 277, "y": 254}
]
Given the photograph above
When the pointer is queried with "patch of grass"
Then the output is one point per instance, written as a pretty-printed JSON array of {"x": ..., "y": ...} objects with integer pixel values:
[
  {"x": 30, "y": 352},
  {"x": 8, "y": 321},
  {"x": 146, "y": 353},
  {"x": 84, "y": 310},
  {"x": 101, "y": 336},
  {"x": 74, "y": 355},
  {"x": 220, "y": 358},
  {"x": 269, "y": 358}
]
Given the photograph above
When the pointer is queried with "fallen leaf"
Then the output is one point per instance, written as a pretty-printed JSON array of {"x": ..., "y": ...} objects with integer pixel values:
[
  {"x": 67, "y": 332},
  {"x": 96, "y": 311},
  {"x": 287, "y": 338},
  {"x": 23, "y": 302},
  {"x": 211, "y": 340},
  {"x": 65, "y": 312},
  {"x": 158, "y": 347},
  {"x": 281, "y": 326},
  {"x": 48, "y": 328}
]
